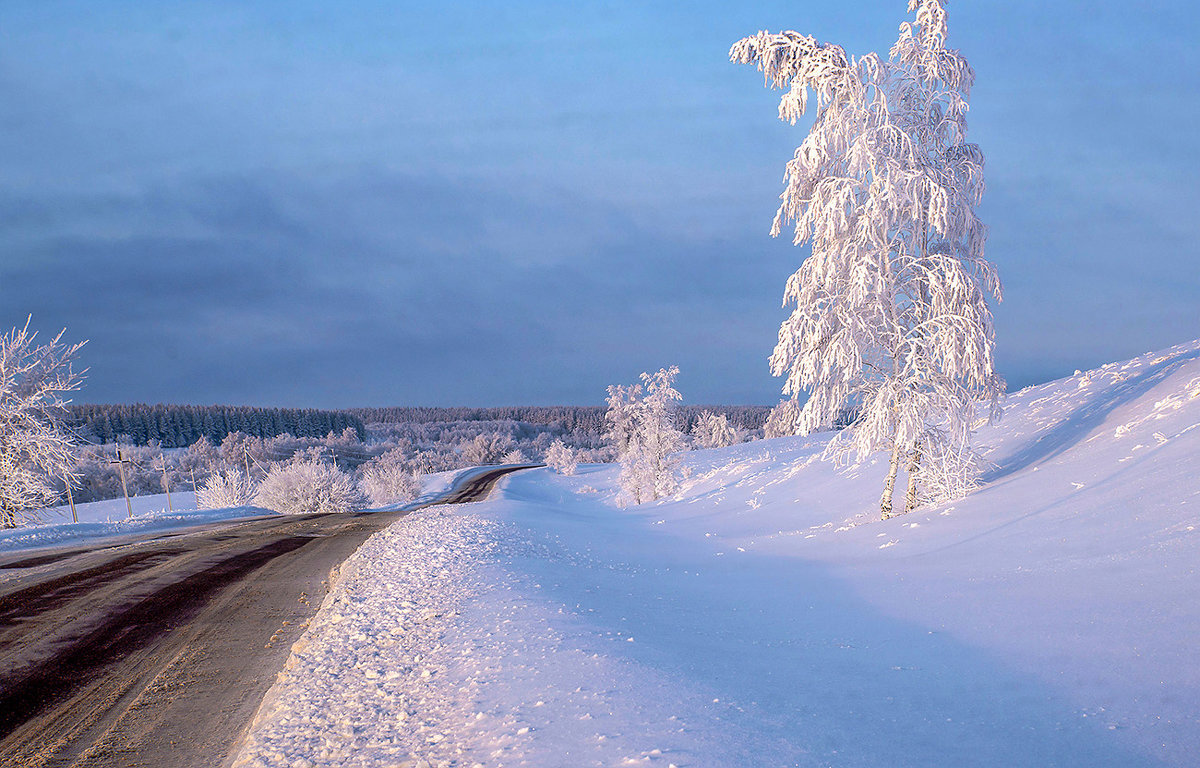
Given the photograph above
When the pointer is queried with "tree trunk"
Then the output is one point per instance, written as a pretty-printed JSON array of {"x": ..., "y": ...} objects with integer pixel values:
[
  {"x": 885, "y": 502},
  {"x": 910, "y": 499}
]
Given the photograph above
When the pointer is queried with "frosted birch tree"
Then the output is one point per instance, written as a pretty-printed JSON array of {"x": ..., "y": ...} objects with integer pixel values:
[
  {"x": 561, "y": 458},
  {"x": 713, "y": 430},
  {"x": 890, "y": 315},
  {"x": 36, "y": 449},
  {"x": 644, "y": 436},
  {"x": 623, "y": 404},
  {"x": 659, "y": 440}
]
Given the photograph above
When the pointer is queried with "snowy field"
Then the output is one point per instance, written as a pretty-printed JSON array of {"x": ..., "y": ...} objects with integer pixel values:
[
  {"x": 764, "y": 617},
  {"x": 151, "y": 514},
  {"x": 105, "y": 519}
]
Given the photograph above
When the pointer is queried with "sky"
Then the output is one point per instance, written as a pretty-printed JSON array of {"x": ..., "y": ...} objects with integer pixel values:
[{"x": 483, "y": 203}]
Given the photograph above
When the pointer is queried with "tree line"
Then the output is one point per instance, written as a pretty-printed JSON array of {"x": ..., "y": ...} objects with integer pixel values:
[
  {"x": 178, "y": 426},
  {"x": 579, "y": 419}
]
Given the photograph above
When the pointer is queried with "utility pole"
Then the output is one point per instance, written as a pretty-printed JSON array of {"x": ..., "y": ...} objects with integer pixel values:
[
  {"x": 166, "y": 482},
  {"x": 70, "y": 497},
  {"x": 121, "y": 462}
]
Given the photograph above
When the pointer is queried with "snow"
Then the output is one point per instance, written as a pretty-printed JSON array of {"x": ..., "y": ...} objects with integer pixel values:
[
  {"x": 763, "y": 615},
  {"x": 105, "y": 519}
]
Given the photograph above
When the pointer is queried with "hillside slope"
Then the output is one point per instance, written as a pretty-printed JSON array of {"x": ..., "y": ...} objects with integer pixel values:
[{"x": 764, "y": 616}]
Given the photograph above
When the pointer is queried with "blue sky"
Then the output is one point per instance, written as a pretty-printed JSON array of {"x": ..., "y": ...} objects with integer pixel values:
[{"x": 338, "y": 204}]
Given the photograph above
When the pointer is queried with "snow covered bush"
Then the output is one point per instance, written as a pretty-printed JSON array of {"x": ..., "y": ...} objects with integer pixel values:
[
  {"x": 388, "y": 479},
  {"x": 224, "y": 489},
  {"x": 645, "y": 437},
  {"x": 713, "y": 430},
  {"x": 513, "y": 457},
  {"x": 561, "y": 458},
  {"x": 36, "y": 450},
  {"x": 891, "y": 313},
  {"x": 307, "y": 485},
  {"x": 486, "y": 448}
]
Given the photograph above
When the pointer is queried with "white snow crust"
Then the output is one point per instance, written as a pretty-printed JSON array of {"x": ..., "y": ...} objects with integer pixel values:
[
  {"x": 109, "y": 518},
  {"x": 764, "y": 616},
  {"x": 106, "y": 519}
]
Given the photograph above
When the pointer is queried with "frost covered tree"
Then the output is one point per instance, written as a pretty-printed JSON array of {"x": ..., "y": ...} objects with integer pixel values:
[
  {"x": 645, "y": 437},
  {"x": 713, "y": 430},
  {"x": 389, "y": 478},
  {"x": 486, "y": 448},
  {"x": 561, "y": 458},
  {"x": 783, "y": 419},
  {"x": 621, "y": 416},
  {"x": 36, "y": 450},
  {"x": 890, "y": 314},
  {"x": 513, "y": 457},
  {"x": 308, "y": 485},
  {"x": 225, "y": 489}
]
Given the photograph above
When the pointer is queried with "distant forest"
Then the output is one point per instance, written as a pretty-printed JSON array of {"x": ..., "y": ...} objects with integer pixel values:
[
  {"x": 178, "y": 426},
  {"x": 570, "y": 418}
]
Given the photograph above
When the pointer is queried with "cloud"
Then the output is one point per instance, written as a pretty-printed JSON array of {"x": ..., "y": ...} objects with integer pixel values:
[{"x": 401, "y": 288}]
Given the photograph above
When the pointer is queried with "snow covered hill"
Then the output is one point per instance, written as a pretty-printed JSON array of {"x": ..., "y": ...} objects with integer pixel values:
[{"x": 764, "y": 616}]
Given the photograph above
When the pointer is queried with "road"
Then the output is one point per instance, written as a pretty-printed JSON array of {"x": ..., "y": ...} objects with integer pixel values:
[{"x": 157, "y": 652}]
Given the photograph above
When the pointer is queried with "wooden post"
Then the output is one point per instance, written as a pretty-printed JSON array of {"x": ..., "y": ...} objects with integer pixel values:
[
  {"x": 70, "y": 498},
  {"x": 167, "y": 484},
  {"x": 120, "y": 462}
]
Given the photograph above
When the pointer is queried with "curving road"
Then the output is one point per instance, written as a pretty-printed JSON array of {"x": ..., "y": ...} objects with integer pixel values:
[{"x": 157, "y": 652}]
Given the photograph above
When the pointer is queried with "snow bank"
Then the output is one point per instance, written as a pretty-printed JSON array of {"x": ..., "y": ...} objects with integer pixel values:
[
  {"x": 765, "y": 616},
  {"x": 104, "y": 519}
]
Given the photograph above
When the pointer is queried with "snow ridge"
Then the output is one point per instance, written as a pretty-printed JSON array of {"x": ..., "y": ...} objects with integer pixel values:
[{"x": 359, "y": 684}]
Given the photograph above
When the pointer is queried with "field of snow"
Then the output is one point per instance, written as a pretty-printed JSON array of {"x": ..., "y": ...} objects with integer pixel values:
[
  {"x": 105, "y": 519},
  {"x": 764, "y": 616}
]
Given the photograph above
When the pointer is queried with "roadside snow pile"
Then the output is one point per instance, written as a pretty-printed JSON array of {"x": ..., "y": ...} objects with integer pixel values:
[{"x": 764, "y": 616}]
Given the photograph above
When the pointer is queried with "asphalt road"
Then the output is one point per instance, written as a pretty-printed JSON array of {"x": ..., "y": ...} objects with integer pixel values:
[{"x": 157, "y": 652}]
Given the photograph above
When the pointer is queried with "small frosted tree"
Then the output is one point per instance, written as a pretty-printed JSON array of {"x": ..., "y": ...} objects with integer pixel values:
[
  {"x": 561, "y": 458},
  {"x": 36, "y": 450},
  {"x": 389, "y": 478},
  {"x": 713, "y": 430},
  {"x": 624, "y": 404},
  {"x": 486, "y": 448},
  {"x": 513, "y": 457},
  {"x": 891, "y": 318},
  {"x": 783, "y": 420},
  {"x": 224, "y": 489},
  {"x": 645, "y": 436}
]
